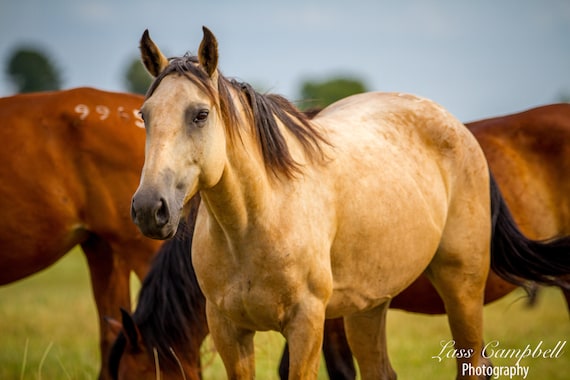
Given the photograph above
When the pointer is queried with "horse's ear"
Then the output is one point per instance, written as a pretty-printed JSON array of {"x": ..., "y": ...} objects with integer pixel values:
[
  {"x": 208, "y": 52},
  {"x": 131, "y": 330},
  {"x": 115, "y": 326},
  {"x": 152, "y": 57}
]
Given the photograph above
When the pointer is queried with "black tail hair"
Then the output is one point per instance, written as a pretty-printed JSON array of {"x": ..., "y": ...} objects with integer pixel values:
[{"x": 518, "y": 259}]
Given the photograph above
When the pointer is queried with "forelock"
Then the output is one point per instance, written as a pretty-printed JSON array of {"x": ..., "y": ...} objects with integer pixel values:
[{"x": 189, "y": 67}]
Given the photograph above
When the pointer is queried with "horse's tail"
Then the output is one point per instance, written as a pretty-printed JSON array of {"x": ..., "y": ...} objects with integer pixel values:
[{"x": 518, "y": 259}]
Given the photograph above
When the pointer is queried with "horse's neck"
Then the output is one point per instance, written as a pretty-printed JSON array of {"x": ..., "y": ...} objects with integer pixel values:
[{"x": 245, "y": 188}]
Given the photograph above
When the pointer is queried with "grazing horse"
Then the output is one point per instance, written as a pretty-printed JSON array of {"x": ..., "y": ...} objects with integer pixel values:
[
  {"x": 162, "y": 339},
  {"x": 71, "y": 162},
  {"x": 305, "y": 220}
]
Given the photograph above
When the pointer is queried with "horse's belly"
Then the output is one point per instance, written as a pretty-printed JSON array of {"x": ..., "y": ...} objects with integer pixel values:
[
  {"x": 347, "y": 302},
  {"x": 364, "y": 290},
  {"x": 382, "y": 249}
]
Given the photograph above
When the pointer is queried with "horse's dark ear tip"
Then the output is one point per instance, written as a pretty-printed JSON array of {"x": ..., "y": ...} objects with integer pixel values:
[
  {"x": 206, "y": 31},
  {"x": 145, "y": 35}
]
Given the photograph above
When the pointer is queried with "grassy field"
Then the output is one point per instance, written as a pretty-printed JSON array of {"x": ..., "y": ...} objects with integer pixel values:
[{"x": 48, "y": 331}]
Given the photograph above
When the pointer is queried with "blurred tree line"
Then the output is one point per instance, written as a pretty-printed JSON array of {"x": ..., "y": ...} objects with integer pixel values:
[
  {"x": 31, "y": 69},
  {"x": 319, "y": 94}
]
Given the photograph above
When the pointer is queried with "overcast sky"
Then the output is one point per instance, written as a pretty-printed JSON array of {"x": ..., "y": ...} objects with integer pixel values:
[{"x": 478, "y": 58}]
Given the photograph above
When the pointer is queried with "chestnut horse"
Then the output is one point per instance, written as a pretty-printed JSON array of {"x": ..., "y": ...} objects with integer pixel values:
[
  {"x": 305, "y": 220},
  {"x": 71, "y": 162}
]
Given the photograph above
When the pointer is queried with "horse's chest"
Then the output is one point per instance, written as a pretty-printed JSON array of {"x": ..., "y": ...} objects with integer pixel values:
[
  {"x": 251, "y": 302},
  {"x": 249, "y": 292}
]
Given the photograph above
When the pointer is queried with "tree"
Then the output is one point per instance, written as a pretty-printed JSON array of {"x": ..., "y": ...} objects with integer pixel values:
[
  {"x": 319, "y": 94},
  {"x": 137, "y": 79},
  {"x": 564, "y": 97},
  {"x": 31, "y": 70}
]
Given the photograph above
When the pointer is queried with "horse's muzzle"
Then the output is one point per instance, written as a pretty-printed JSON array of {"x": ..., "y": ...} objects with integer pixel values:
[{"x": 151, "y": 213}]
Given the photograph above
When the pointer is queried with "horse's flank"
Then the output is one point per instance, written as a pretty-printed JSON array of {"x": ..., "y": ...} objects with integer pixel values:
[{"x": 71, "y": 162}]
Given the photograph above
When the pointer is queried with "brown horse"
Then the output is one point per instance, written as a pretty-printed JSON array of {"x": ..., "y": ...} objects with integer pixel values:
[
  {"x": 71, "y": 160},
  {"x": 421, "y": 201}
]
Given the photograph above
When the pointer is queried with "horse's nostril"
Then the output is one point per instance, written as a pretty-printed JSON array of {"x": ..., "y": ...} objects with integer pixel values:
[
  {"x": 162, "y": 213},
  {"x": 133, "y": 211}
]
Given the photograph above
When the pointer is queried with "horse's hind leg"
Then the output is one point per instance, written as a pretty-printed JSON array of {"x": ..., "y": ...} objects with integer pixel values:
[
  {"x": 459, "y": 272},
  {"x": 337, "y": 353},
  {"x": 366, "y": 333}
]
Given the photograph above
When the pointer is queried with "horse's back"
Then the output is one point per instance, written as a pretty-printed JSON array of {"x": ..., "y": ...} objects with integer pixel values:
[
  {"x": 400, "y": 121},
  {"x": 393, "y": 136}
]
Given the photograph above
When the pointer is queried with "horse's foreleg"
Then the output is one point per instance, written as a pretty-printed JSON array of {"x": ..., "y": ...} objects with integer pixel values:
[
  {"x": 235, "y": 345},
  {"x": 366, "y": 333},
  {"x": 304, "y": 334},
  {"x": 110, "y": 285},
  {"x": 337, "y": 353}
]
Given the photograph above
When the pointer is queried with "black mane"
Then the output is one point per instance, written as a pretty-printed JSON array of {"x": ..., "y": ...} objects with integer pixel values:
[{"x": 170, "y": 313}]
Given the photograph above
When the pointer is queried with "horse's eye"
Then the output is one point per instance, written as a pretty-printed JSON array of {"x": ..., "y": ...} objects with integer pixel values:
[{"x": 201, "y": 116}]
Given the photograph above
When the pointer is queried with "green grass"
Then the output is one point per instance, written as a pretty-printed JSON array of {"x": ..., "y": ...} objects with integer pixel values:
[
  {"x": 51, "y": 313},
  {"x": 48, "y": 330},
  {"x": 414, "y": 339}
]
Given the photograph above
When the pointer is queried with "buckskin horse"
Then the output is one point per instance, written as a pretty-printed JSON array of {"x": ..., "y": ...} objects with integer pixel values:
[
  {"x": 71, "y": 160},
  {"x": 537, "y": 137},
  {"x": 304, "y": 220},
  {"x": 529, "y": 155}
]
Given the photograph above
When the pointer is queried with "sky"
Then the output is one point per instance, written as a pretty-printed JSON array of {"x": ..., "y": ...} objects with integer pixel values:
[{"x": 478, "y": 58}]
